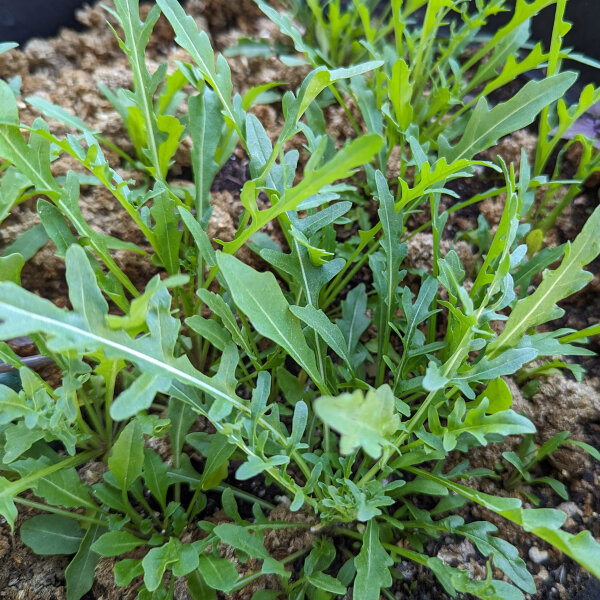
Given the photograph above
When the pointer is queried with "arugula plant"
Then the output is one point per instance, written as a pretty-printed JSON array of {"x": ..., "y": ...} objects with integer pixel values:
[
  {"x": 437, "y": 78},
  {"x": 334, "y": 375}
]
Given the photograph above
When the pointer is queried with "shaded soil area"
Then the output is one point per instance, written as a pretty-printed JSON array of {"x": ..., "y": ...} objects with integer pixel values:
[{"x": 65, "y": 70}]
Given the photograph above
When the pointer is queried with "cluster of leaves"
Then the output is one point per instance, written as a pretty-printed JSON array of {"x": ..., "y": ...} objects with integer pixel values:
[
  {"x": 440, "y": 74},
  {"x": 349, "y": 397}
]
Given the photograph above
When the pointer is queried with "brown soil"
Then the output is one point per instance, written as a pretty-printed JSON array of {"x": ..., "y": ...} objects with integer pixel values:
[{"x": 65, "y": 70}]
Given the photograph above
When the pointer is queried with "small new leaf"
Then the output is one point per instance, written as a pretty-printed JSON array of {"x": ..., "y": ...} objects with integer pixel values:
[{"x": 366, "y": 421}]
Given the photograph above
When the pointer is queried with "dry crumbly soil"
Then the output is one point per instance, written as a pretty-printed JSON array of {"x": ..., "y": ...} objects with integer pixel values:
[{"x": 65, "y": 71}]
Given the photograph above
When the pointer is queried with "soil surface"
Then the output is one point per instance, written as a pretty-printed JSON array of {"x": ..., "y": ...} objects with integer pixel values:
[{"x": 66, "y": 69}]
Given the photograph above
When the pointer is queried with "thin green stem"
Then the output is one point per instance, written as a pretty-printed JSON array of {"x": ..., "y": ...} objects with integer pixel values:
[
  {"x": 553, "y": 67},
  {"x": 246, "y": 496},
  {"x": 61, "y": 512}
]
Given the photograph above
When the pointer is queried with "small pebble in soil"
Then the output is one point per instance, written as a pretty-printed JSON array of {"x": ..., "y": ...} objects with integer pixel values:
[
  {"x": 542, "y": 575},
  {"x": 538, "y": 556}
]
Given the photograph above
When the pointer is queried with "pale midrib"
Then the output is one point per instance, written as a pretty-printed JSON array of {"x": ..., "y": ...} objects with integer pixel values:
[
  {"x": 179, "y": 375},
  {"x": 555, "y": 283},
  {"x": 291, "y": 349},
  {"x": 351, "y": 330},
  {"x": 191, "y": 47},
  {"x": 303, "y": 271},
  {"x": 142, "y": 94},
  {"x": 50, "y": 187},
  {"x": 70, "y": 494},
  {"x": 497, "y": 126},
  {"x": 413, "y": 323},
  {"x": 200, "y": 200}
]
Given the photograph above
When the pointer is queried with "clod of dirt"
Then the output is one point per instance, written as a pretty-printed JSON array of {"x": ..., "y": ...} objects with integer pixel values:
[
  {"x": 420, "y": 252},
  {"x": 510, "y": 148},
  {"x": 23, "y": 576},
  {"x": 562, "y": 405}
]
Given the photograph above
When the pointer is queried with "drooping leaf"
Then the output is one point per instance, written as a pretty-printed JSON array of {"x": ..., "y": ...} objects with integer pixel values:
[{"x": 544, "y": 522}]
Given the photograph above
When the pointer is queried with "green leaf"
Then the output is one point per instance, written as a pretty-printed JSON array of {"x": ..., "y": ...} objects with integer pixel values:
[
  {"x": 326, "y": 582},
  {"x": 587, "y": 447},
  {"x": 358, "y": 152},
  {"x": 64, "y": 488},
  {"x": 10, "y": 268},
  {"x": 56, "y": 226},
  {"x": 259, "y": 145},
  {"x": 567, "y": 279},
  {"x": 52, "y": 534},
  {"x": 80, "y": 572},
  {"x": 499, "y": 396},
  {"x": 400, "y": 93},
  {"x": 506, "y": 556},
  {"x": 260, "y": 298},
  {"x": 506, "y": 363},
  {"x": 321, "y": 556},
  {"x": 138, "y": 396},
  {"x": 27, "y": 243},
  {"x": 486, "y": 126},
  {"x": 155, "y": 476},
  {"x": 172, "y": 129},
  {"x": 217, "y": 458},
  {"x": 544, "y": 522},
  {"x": 219, "y": 307},
  {"x": 187, "y": 558},
  {"x": 304, "y": 274},
  {"x": 200, "y": 237},
  {"x": 198, "y": 588},
  {"x": 364, "y": 421},
  {"x": 54, "y": 111},
  {"x": 205, "y": 123},
  {"x": 182, "y": 418},
  {"x": 126, "y": 570},
  {"x": 331, "y": 333},
  {"x": 127, "y": 458},
  {"x": 255, "y": 465},
  {"x": 372, "y": 566},
  {"x": 156, "y": 562},
  {"x": 84, "y": 330},
  {"x": 8, "y": 491},
  {"x": 142, "y": 120},
  {"x": 209, "y": 330},
  {"x": 31, "y": 159},
  {"x": 241, "y": 539},
  {"x": 167, "y": 231},
  {"x": 198, "y": 45},
  {"x": 219, "y": 573},
  {"x": 12, "y": 186},
  {"x": 354, "y": 321}
]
